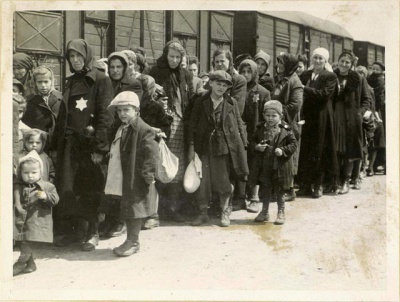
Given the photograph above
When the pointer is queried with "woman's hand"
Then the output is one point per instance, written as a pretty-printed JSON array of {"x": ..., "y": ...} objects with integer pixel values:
[
  {"x": 97, "y": 158},
  {"x": 161, "y": 135},
  {"x": 278, "y": 152}
]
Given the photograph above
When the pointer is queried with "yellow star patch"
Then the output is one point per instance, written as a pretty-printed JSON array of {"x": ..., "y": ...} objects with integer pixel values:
[{"x": 81, "y": 104}]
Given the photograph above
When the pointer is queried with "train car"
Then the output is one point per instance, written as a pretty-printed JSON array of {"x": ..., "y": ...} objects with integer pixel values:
[
  {"x": 294, "y": 32},
  {"x": 369, "y": 53}
]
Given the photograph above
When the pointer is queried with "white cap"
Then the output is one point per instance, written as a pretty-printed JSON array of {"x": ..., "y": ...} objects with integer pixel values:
[{"x": 125, "y": 98}]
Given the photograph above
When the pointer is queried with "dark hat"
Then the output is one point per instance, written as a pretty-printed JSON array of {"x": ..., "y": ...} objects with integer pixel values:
[
  {"x": 221, "y": 75},
  {"x": 379, "y": 64}
]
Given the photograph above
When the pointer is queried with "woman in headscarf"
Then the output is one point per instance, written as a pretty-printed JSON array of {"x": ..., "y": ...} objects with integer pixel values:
[
  {"x": 81, "y": 141},
  {"x": 263, "y": 61},
  {"x": 178, "y": 87},
  {"x": 256, "y": 97},
  {"x": 289, "y": 91},
  {"x": 317, "y": 149},
  {"x": 351, "y": 101},
  {"x": 22, "y": 69},
  {"x": 377, "y": 81}
]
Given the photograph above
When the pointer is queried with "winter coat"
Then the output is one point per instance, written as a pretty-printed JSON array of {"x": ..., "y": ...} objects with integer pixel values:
[
  {"x": 41, "y": 116},
  {"x": 357, "y": 100},
  {"x": 238, "y": 90},
  {"x": 260, "y": 167},
  {"x": 35, "y": 223},
  {"x": 267, "y": 81},
  {"x": 377, "y": 82},
  {"x": 317, "y": 133},
  {"x": 139, "y": 158},
  {"x": 202, "y": 125}
]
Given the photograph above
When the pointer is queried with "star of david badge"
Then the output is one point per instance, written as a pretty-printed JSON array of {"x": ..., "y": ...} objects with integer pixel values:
[{"x": 81, "y": 104}]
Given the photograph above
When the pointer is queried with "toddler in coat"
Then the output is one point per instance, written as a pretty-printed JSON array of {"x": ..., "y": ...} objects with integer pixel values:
[
  {"x": 33, "y": 202},
  {"x": 272, "y": 168}
]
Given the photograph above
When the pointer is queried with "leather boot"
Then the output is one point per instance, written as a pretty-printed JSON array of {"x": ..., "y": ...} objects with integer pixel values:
[
  {"x": 345, "y": 188},
  {"x": 131, "y": 245},
  {"x": 290, "y": 195},
  {"x": 263, "y": 215},
  {"x": 92, "y": 237},
  {"x": 281, "y": 217},
  {"x": 201, "y": 218},
  {"x": 317, "y": 191}
]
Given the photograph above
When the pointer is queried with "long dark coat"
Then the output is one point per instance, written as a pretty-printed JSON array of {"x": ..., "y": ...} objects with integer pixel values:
[
  {"x": 356, "y": 98},
  {"x": 36, "y": 222},
  {"x": 40, "y": 116},
  {"x": 139, "y": 158},
  {"x": 238, "y": 90},
  {"x": 318, "y": 144},
  {"x": 259, "y": 167},
  {"x": 202, "y": 124}
]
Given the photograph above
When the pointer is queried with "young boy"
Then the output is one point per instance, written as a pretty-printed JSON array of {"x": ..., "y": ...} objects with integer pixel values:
[
  {"x": 43, "y": 106},
  {"x": 134, "y": 155},
  {"x": 274, "y": 144},
  {"x": 217, "y": 134}
]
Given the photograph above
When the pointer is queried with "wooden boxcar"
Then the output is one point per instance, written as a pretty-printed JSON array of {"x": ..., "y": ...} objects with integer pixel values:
[
  {"x": 294, "y": 32},
  {"x": 369, "y": 53}
]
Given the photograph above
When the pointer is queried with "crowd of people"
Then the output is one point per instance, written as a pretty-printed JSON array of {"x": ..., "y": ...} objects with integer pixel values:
[{"x": 87, "y": 160}]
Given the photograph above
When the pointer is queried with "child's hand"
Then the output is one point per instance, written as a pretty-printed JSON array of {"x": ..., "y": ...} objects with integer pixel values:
[
  {"x": 97, "y": 158},
  {"x": 41, "y": 195},
  {"x": 278, "y": 152}
]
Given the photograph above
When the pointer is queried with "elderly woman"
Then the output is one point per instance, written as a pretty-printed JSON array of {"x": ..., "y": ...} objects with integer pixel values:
[
  {"x": 289, "y": 91},
  {"x": 317, "y": 150},
  {"x": 80, "y": 138},
  {"x": 178, "y": 87},
  {"x": 351, "y": 101},
  {"x": 22, "y": 69}
]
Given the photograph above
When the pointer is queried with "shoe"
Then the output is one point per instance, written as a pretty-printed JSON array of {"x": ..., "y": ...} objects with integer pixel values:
[
  {"x": 128, "y": 248},
  {"x": 238, "y": 204},
  {"x": 345, "y": 188},
  {"x": 65, "y": 241},
  {"x": 317, "y": 192},
  {"x": 200, "y": 219},
  {"x": 370, "y": 173},
  {"x": 290, "y": 196},
  {"x": 30, "y": 266},
  {"x": 352, "y": 181},
  {"x": 150, "y": 223},
  {"x": 253, "y": 207},
  {"x": 357, "y": 184},
  {"x": 18, "y": 267},
  {"x": 91, "y": 243},
  {"x": 104, "y": 228},
  {"x": 281, "y": 217},
  {"x": 225, "y": 222},
  {"x": 304, "y": 191},
  {"x": 117, "y": 230},
  {"x": 262, "y": 216}
]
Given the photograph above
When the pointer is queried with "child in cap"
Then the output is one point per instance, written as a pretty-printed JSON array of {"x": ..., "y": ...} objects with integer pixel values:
[
  {"x": 134, "y": 155},
  {"x": 217, "y": 134},
  {"x": 36, "y": 139},
  {"x": 274, "y": 144},
  {"x": 43, "y": 106},
  {"x": 33, "y": 202}
]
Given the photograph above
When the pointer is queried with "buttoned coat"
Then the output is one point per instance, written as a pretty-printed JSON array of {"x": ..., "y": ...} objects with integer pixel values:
[{"x": 202, "y": 125}]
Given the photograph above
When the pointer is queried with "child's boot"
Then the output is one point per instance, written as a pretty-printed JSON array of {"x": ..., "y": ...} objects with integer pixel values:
[
  {"x": 263, "y": 215},
  {"x": 131, "y": 244},
  {"x": 92, "y": 237}
]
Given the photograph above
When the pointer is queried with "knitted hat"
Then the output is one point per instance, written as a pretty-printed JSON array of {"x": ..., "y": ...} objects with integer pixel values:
[
  {"x": 221, "y": 75},
  {"x": 263, "y": 55},
  {"x": 125, "y": 98},
  {"x": 275, "y": 105}
]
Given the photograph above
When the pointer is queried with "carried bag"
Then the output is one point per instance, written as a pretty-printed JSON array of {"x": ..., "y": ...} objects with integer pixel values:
[
  {"x": 193, "y": 173},
  {"x": 168, "y": 165}
]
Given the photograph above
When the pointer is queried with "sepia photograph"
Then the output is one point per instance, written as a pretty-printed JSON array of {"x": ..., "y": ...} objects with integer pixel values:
[{"x": 200, "y": 151}]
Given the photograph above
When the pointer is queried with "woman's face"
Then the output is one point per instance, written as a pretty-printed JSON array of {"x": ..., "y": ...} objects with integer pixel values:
[
  {"x": 262, "y": 66},
  {"x": 76, "y": 59},
  {"x": 19, "y": 72},
  {"x": 300, "y": 69},
  {"x": 174, "y": 58},
  {"x": 377, "y": 69},
  {"x": 318, "y": 62},
  {"x": 246, "y": 72},
  {"x": 344, "y": 65},
  {"x": 280, "y": 67},
  {"x": 116, "y": 69}
]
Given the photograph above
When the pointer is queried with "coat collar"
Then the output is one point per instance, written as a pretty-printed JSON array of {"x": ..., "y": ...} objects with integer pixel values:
[
  {"x": 353, "y": 80},
  {"x": 207, "y": 104}
]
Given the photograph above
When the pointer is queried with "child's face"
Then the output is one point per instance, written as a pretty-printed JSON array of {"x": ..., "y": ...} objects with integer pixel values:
[
  {"x": 218, "y": 88},
  {"x": 377, "y": 69},
  {"x": 30, "y": 172},
  {"x": 126, "y": 113},
  {"x": 272, "y": 117},
  {"x": 16, "y": 89},
  {"x": 246, "y": 72},
  {"x": 43, "y": 83},
  {"x": 21, "y": 111},
  {"x": 34, "y": 143}
]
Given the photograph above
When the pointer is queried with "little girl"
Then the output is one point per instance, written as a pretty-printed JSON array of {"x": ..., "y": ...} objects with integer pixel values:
[
  {"x": 33, "y": 200},
  {"x": 35, "y": 139}
]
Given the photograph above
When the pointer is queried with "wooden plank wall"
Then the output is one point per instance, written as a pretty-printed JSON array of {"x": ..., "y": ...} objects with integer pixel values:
[
  {"x": 265, "y": 42},
  {"x": 127, "y": 29},
  {"x": 244, "y": 31},
  {"x": 320, "y": 39},
  {"x": 296, "y": 39}
]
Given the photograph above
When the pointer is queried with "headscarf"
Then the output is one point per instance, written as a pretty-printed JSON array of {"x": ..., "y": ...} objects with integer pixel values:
[
  {"x": 290, "y": 62},
  {"x": 124, "y": 60},
  {"x": 31, "y": 155},
  {"x": 323, "y": 52},
  {"x": 82, "y": 47},
  {"x": 264, "y": 56},
  {"x": 22, "y": 60},
  {"x": 254, "y": 71}
]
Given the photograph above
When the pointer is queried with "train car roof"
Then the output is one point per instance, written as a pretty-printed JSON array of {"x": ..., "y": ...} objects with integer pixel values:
[{"x": 310, "y": 21}]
